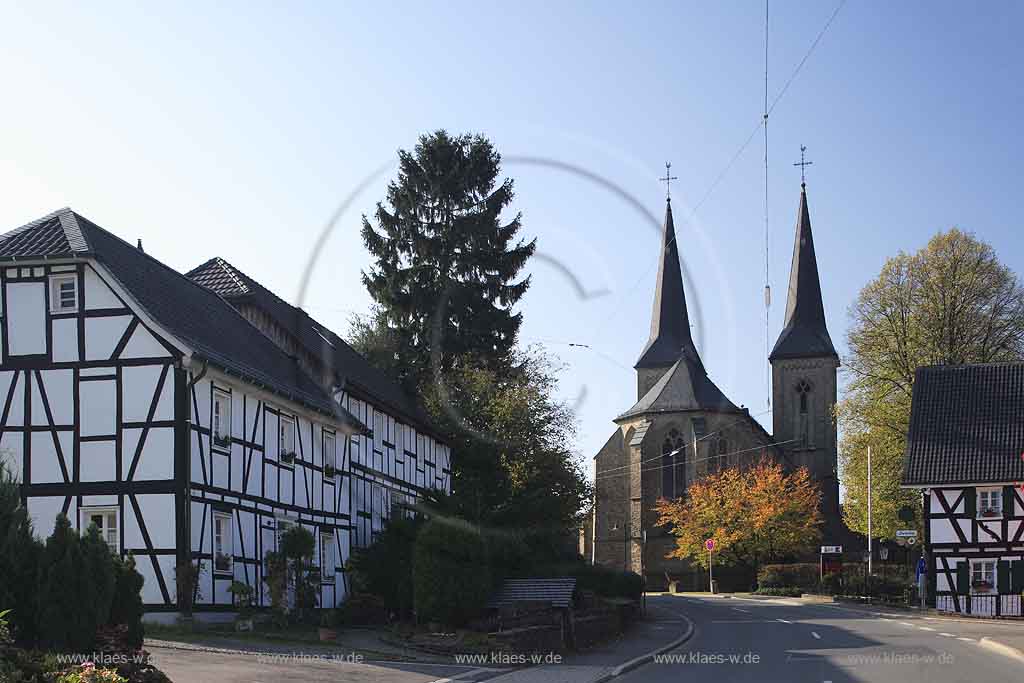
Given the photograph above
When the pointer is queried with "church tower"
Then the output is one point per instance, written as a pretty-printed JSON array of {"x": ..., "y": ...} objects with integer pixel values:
[
  {"x": 804, "y": 364},
  {"x": 670, "y": 323}
]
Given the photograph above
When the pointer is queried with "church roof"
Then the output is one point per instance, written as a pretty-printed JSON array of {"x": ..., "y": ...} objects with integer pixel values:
[
  {"x": 211, "y": 327},
  {"x": 684, "y": 386},
  {"x": 805, "y": 333},
  {"x": 670, "y": 323}
]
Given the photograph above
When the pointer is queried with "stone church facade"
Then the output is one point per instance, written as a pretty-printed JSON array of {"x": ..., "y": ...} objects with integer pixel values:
[{"x": 683, "y": 427}]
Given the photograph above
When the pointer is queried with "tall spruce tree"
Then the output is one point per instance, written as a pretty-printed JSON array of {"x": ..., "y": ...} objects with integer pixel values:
[{"x": 445, "y": 265}]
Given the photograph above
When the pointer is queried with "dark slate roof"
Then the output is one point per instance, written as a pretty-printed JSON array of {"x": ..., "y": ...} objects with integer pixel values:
[
  {"x": 805, "y": 333},
  {"x": 350, "y": 368},
  {"x": 966, "y": 425},
  {"x": 684, "y": 386},
  {"x": 670, "y": 322},
  {"x": 555, "y": 592},
  {"x": 201, "y": 319}
]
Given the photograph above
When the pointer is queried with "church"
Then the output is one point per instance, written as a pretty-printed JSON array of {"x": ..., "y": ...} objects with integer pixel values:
[{"x": 683, "y": 427}]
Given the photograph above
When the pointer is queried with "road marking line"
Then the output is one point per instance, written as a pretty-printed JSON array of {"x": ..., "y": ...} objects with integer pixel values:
[
  {"x": 967, "y": 640},
  {"x": 815, "y": 634},
  {"x": 907, "y": 624},
  {"x": 926, "y": 628},
  {"x": 784, "y": 621},
  {"x": 741, "y": 610},
  {"x": 948, "y": 635}
]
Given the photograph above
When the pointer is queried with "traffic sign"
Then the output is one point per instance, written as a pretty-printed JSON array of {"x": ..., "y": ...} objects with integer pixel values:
[
  {"x": 906, "y": 533},
  {"x": 709, "y": 544},
  {"x": 831, "y": 549}
]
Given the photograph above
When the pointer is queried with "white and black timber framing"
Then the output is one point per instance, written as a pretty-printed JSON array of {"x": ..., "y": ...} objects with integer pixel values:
[{"x": 107, "y": 414}]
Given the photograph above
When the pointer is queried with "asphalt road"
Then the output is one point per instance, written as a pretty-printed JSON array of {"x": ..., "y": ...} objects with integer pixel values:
[{"x": 791, "y": 642}]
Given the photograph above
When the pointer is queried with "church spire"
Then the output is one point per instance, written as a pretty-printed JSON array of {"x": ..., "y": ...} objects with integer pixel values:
[
  {"x": 670, "y": 323},
  {"x": 805, "y": 333}
]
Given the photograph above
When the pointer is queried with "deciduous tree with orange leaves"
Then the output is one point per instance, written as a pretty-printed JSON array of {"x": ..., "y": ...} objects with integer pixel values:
[{"x": 755, "y": 514}]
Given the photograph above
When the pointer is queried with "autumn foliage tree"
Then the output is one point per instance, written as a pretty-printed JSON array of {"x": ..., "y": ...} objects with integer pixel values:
[{"x": 755, "y": 514}]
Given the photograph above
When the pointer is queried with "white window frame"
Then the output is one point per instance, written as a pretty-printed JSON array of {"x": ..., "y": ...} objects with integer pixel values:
[
  {"x": 327, "y": 552},
  {"x": 990, "y": 493},
  {"x": 378, "y": 505},
  {"x": 108, "y": 513},
  {"x": 220, "y": 426},
  {"x": 223, "y": 523},
  {"x": 981, "y": 572},
  {"x": 55, "y": 292},
  {"x": 330, "y": 449},
  {"x": 292, "y": 427}
]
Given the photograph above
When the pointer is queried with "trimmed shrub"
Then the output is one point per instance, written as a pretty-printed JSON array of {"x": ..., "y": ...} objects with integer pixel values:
[
  {"x": 451, "y": 581},
  {"x": 126, "y": 607},
  {"x": 66, "y": 621},
  {"x": 20, "y": 554},
  {"x": 606, "y": 582},
  {"x": 803, "y": 575},
  {"x": 98, "y": 565}
]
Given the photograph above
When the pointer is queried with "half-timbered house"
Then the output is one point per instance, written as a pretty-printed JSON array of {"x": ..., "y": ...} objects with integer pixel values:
[
  {"x": 401, "y": 455},
  {"x": 138, "y": 400},
  {"x": 964, "y": 452}
]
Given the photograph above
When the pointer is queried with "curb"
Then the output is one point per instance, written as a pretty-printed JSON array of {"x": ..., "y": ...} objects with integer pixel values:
[
  {"x": 1001, "y": 648},
  {"x": 648, "y": 657}
]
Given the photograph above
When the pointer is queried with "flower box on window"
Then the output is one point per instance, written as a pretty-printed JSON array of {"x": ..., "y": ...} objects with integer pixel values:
[
  {"x": 288, "y": 457},
  {"x": 990, "y": 512},
  {"x": 981, "y": 585},
  {"x": 330, "y": 471},
  {"x": 222, "y": 562},
  {"x": 222, "y": 441}
]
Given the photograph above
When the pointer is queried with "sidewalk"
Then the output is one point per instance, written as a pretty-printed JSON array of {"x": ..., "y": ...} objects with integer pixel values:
[{"x": 661, "y": 630}]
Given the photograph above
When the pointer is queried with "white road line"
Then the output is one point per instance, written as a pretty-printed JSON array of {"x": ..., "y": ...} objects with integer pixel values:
[
  {"x": 784, "y": 621},
  {"x": 741, "y": 610},
  {"x": 907, "y": 624},
  {"x": 966, "y": 640},
  {"x": 926, "y": 628},
  {"x": 815, "y": 634},
  {"x": 948, "y": 635}
]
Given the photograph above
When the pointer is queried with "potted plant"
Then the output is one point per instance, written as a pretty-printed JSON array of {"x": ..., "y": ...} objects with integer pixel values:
[
  {"x": 329, "y": 471},
  {"x": 989, "y": 512},
  {"x": 186, "y": 575},
  {"x": 222, "y": 563},
  {"x": 981, "y": 585},
  {"x": 222, "y": 441},
  {"x": 242, "y": 594},
  {"x": 327, "y": 621},
  {"x": 288, "y": 457}
]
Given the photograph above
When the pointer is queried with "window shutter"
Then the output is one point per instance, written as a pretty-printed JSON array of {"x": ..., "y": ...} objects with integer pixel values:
[
  {"x": 1017, "y": 577},
  {"x": 971, "y": 502},
  {"x": 963, "y": 578},
  {"x": 1007, "y": 501},
  {"x": 1003, "y": 577}
]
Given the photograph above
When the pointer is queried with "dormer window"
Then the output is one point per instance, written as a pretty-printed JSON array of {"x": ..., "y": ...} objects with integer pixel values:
[
  {"x": 64, "y": 294},
  {"x": 990, "y": 503}
]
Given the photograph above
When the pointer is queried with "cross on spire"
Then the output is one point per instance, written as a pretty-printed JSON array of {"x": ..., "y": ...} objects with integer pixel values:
[
  {"x": 803, "y": 165},
  {"x": 667, "y": 180}
]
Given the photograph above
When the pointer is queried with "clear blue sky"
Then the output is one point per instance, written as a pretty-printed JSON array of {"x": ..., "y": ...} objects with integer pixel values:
[{"x": 236, "y": 129}]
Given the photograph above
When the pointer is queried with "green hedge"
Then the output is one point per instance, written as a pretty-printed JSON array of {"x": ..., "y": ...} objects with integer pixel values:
[
  {"x": 803, "y": 575},
  {"x": 451, "y": 581}
]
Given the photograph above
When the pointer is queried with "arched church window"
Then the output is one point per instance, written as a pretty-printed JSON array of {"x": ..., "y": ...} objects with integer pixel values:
[
  {"x": 723, "y": 452},
  {"x": 803, "y": 431},
  {"x": 673, "y": 470}
]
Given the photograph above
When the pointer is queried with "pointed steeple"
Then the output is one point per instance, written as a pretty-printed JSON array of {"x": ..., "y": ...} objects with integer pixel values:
[
  {"x": 670, "y": 323},
  {"x": 805, "y": 333}
]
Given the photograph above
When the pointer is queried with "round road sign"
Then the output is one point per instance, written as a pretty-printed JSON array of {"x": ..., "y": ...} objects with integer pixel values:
[{"x": 709, "y": 544}]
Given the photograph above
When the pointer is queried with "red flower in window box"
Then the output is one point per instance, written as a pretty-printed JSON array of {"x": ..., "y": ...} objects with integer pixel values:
[{"x": 990, "y": 512}]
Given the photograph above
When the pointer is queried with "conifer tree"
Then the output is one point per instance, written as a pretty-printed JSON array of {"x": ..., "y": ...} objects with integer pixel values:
[
  {"x": 65, "y": 593},
  {"x": 445, "y": 265}
]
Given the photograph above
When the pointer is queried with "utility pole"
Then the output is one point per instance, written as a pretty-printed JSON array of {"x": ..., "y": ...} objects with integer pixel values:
[{"x": 869, "y": 513}]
